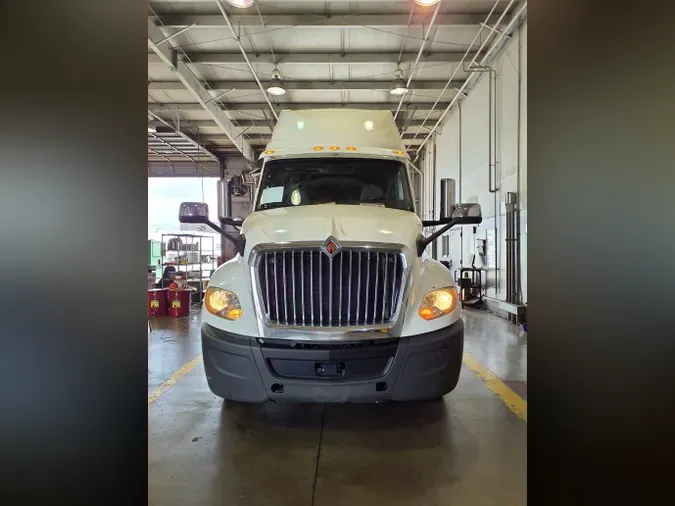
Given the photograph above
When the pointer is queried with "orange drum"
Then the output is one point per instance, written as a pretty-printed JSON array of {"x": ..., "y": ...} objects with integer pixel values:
[
  {"x": 179, "y": 303},
  {"x": 157, "y": 302}
]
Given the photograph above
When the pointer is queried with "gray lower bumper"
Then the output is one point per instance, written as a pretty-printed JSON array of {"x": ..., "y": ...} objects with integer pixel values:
[{"x": 420, "y": 367}]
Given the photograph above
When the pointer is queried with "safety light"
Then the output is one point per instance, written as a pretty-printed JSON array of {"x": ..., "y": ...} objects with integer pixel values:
[
  {"x": 350, "y": 148},
  {"x": 318, "y": 148},
  {"x": 334, "y": 148},
  {"x": 222, "y": 303},
  {"x": 268, "y": 152},
  {"x": 438, "y": 303},
  {"x": 399, "y": 152}
]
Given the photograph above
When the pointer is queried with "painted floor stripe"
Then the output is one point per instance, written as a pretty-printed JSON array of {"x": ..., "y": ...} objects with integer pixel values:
[
  {"x": 171, "y": 380},
  {"x": 513, "y": 401}
]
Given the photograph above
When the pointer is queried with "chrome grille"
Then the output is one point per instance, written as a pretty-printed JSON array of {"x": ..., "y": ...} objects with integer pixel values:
[{"x": 306, "y": 288}]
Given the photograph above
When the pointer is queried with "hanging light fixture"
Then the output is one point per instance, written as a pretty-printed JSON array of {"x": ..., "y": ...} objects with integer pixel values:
[
  {"x": 276, "y": 85},
  {"x": 398, "y": 87},
  {"x": 426, "y": 3},
  {"x": 243, "y": 4}
]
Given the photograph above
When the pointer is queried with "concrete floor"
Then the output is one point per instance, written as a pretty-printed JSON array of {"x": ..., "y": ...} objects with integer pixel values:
[{"x": 469, "y": 447}]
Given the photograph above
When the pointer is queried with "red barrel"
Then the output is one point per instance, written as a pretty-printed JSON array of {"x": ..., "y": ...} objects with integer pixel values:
[
  {"x": 179, "y": 303},
  {"x": 157, "y": 302}
]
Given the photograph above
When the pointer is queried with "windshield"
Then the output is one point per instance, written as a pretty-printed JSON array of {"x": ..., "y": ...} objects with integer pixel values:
[{"x": 350, "y": 181}]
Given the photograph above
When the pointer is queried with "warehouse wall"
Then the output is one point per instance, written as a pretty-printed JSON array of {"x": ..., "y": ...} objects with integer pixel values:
[{"x": 462, "y": 154}]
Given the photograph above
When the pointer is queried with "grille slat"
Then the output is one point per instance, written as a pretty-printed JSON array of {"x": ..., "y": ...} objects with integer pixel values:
[{"x": 317, "y": 290}]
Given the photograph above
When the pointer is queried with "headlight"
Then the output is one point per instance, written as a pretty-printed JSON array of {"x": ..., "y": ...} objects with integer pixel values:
[
  {"x": 438, "y": 303},
  {"x": 222, "y": 303}
]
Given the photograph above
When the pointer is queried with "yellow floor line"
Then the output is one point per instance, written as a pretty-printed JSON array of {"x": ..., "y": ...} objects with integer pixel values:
[
  {"x": 514, "y": 402},
  {"x": 171, "y": 380}
]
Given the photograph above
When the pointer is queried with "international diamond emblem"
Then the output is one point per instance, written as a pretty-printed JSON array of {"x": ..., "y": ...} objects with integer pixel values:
[{"x": 330, "y": 247}]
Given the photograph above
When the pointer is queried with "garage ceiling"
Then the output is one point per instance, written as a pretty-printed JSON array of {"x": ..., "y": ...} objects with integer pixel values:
[{"x": 208, "y": 61}]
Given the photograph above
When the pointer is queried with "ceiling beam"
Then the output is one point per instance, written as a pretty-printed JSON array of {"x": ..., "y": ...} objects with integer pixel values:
[
  {"x": 264, "y": 137},
  {"x": 318, "y": 20},
  {"x": 181, "y": 168},
  {"x": 304, "y": 58},
  {"x": 193, "y": 85},
  {"x": 296, "y": 106},
  {"x": 309, "y": 85},
  {"x": 247, "y": 123}
]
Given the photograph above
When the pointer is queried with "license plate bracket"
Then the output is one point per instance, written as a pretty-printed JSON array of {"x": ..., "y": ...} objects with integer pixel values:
[{"x": 330, "y": 369}]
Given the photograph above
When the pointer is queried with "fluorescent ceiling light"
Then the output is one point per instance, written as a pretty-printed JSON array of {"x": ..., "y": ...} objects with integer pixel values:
[{"x": 424, "y": 3}]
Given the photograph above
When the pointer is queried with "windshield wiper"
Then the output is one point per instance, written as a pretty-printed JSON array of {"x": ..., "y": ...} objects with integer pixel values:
[{"x": 272, "y": 205}]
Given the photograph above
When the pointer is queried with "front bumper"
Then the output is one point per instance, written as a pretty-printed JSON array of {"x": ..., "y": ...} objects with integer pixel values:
[{"x": 420, "y": 367}]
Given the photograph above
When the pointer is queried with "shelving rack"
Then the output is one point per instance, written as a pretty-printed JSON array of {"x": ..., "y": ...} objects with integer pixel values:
[{"x": 194, "y": 257}]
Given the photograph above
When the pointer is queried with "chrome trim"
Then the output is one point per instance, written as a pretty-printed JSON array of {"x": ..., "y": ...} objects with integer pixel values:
[
  {"x": 393, "y": 286},
  {"x": 341, "y": 283},
  {"x": 330, "y": 290},
  {"x": 355, "y": 332},
  {"x": 320, "y": 291},
  {"x": 377, "y": 275},
  {"x": 302, "y": 288},
  {"x": 349, "y": 295},
  {"x": 311, "y": 283},
  {"x": 283, "y": 269},
  {"x": 295, "y": 309},
  {"x": 384, "y": 294},
  {"x": 276, "y": 289},
  {"x": 358, "y": 290},
  {"x": 267, "y": 284}
]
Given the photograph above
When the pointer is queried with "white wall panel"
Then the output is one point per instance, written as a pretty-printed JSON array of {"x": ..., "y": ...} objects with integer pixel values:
[{"x": 468, "y": 164}]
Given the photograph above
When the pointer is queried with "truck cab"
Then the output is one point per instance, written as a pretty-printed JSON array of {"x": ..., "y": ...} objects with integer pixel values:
[{"x": 330, "y": 297}]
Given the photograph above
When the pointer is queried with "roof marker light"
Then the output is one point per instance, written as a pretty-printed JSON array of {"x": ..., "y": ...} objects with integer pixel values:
[
  {"x": 334, "y": 148},
  {"x": 269, "y": 152},
  {"x": 398, "y": 152},
  {"x": 350, "y": 148},
  {"x": 318, "y": 148}
]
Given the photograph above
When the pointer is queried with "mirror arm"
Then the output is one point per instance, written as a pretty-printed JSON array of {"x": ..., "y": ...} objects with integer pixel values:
[
  {"x": 433, "y": 223},
  {"x": 239, "y": 242},
  {"x": 231, "y": 222},
  {"x": 423, "y": 242}
]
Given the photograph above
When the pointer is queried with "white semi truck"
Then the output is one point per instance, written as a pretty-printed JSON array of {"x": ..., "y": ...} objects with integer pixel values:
[{"x": 330, "y": 298}]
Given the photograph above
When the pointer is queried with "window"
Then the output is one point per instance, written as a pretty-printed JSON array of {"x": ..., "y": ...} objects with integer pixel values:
[{"x": 349, "y": 181}]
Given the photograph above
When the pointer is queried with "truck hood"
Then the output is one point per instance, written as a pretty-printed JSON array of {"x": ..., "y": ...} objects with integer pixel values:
[{"x": 358, "y": 223}]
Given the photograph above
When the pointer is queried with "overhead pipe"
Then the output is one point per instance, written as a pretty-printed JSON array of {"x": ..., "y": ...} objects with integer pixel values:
[
  {"x": 492, "y": 130},
  {"x": 419, "y": 55},
  {"x": 459, "y": 185},
  {"x": 466, "y": 53},
  {"x": 237, "y": 39},
  {"x": 515, "y": 17}
]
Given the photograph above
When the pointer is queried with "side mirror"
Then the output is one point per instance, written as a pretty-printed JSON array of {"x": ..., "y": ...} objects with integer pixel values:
[
  {"x": 193, "y": 212},
  {"x": 466, "y": 214},
  {"x": 198, "y": 212}
]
